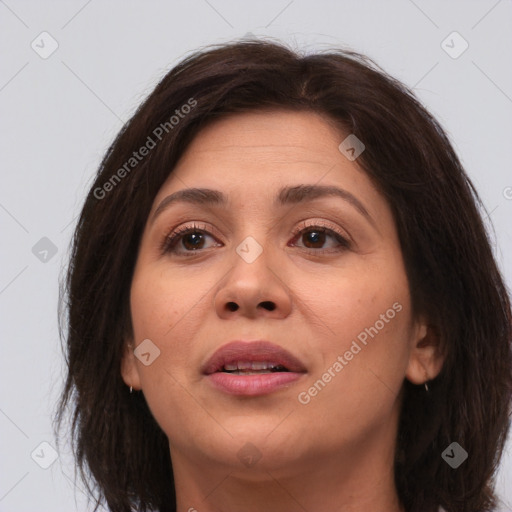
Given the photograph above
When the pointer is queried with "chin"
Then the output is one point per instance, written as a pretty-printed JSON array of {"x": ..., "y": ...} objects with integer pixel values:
[{"x": 258, "y": 446}]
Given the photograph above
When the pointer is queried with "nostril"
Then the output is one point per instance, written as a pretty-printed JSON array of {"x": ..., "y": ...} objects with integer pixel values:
[
  {"x": 232, "y": 306},
  {"x": 268, "y": 305}
]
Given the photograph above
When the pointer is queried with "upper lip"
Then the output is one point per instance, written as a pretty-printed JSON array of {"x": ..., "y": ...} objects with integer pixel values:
[{"x": 252, "y": 351}]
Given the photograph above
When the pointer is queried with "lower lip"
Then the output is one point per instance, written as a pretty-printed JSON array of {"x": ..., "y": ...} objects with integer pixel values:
[{"x": 252, "y": 385}]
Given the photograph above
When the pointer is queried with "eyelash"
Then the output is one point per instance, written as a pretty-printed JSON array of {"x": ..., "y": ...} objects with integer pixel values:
[{"x": 170, "y": 241}]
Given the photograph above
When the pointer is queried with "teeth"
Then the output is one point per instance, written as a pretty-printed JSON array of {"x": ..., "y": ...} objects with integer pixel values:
[
  {"x": 258, "y": 366},
  {"x": 245, "y": 372},
  {"x": 247, "y": 366}
]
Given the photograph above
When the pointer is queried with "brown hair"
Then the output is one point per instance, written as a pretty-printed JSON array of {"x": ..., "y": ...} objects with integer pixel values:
[{"x": 453, "y": 277}]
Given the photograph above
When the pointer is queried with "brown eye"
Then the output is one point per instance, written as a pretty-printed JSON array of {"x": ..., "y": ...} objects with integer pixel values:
[
  {"x": 315, "y": 237},
  {"x": 192, "y": 241},
  {"x": 186, "y": 240}
]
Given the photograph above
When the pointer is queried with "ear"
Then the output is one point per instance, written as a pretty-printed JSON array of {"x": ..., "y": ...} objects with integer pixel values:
[
  {"x": 425, "y": 359},
  {"x": 129, "y": 370}
]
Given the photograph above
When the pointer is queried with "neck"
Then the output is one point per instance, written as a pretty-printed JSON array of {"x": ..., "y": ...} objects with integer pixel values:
[{"x": 354, "y": 481}]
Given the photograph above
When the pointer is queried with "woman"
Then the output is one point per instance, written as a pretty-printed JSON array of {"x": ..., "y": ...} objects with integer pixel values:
[{"x": 281, "y": 296}]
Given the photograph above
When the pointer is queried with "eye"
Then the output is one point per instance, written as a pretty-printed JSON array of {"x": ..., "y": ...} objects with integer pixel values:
[
  {"x": 187, "y": 238},
  {"x": 314, "y": 236}
]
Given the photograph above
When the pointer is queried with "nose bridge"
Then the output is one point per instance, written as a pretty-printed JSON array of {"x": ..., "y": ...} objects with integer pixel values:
[
  {"x": 256, "y": 244},
  {"x": 253, "y": 285},
  {"x": 252, "y": 268}
]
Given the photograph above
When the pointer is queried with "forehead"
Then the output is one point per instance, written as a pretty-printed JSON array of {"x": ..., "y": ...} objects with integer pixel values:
[
  {"x": 267, "y": 129},
  {"x": 266, "y": 149}
]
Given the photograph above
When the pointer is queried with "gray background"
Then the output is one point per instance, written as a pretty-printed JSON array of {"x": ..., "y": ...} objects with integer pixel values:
[{"x": 60, "y": 113}]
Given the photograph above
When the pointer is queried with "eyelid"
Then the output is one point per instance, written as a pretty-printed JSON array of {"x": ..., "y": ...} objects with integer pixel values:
[
  {"x": 303, "y": 225},
  {"x": 176, "y": 233}
]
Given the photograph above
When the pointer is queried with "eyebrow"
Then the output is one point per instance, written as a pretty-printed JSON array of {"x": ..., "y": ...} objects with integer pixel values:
[{"x": 285, "y": 196}]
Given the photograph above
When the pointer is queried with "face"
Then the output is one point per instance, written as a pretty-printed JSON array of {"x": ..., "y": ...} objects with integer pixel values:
[{"x": 318, "y": 275}]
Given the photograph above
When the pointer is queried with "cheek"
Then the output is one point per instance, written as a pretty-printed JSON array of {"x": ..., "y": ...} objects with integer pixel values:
[
  {"x": 166, "y": 311},
  {"x": 163, "y": 304},
  {"x": 366, "y": 320},
  {"x": 357, "y": 386},
  {"x": 357, "y": 300}
]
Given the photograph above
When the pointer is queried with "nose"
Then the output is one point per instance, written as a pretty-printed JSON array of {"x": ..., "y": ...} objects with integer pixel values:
[{"x": 255, "y": 289}]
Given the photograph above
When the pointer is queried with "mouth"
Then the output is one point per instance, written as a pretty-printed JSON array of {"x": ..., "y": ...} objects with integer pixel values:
[{"x": 252, "y": 368}]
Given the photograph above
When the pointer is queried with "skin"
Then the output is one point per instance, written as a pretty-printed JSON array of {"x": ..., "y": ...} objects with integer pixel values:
[{"x": 335, "y": 452}]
